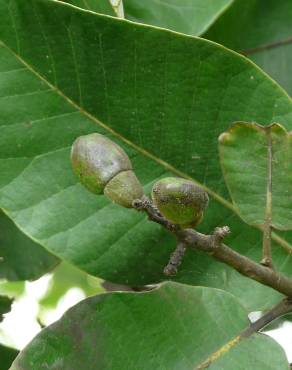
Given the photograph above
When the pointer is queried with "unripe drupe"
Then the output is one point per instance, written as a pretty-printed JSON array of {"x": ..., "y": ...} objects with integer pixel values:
[
  {"x": 180, "y": 201},
  {"x": 102, "y": 166}
]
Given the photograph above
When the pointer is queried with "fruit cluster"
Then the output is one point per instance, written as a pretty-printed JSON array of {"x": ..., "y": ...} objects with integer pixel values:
[{"x": 103, "y": 167}]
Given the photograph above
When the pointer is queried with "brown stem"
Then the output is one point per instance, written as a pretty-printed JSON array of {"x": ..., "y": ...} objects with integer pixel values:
[
  {"x": 282, "y": 308},
  {"x": 267, "y": 46},
  {"x": 175, "y": 259},
  {"x": 240, "y": 263},
  {"x": 212, "y": 244}
]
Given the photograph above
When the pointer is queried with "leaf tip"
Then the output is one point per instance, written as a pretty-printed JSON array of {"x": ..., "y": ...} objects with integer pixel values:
[{"x": 224, "y": 137}]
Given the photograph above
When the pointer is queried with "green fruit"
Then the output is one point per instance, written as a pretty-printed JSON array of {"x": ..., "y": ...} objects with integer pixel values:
[
  {"x": 180, "y": 201},
  {"x": 124, "y": 188},
  {"x": 102, "y": 166}
]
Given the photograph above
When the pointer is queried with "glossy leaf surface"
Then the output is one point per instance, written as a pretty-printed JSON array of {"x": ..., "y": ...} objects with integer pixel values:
[{"x": 164, "y": 97}]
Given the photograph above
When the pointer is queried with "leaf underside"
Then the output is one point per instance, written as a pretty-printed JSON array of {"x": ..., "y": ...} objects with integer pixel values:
[
  {"x": 98, "y": 6},
  {"x": 174, "y": 327},
  {"x": 187, "y": 16},
  {"x": 191, "y": 17},
  {"x": 257, "y": 166}
]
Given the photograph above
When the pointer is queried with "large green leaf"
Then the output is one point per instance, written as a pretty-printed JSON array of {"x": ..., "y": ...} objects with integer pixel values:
[
  {"x": 257, "y": 166},
  {"x": 163, "y": 96},
  {"x": 7, "y": 355},
  {"x": 261, "y": 29},
  {"x": 173, "y": 327},
  {"x": 21, "y": 258},
  {"x": 188, "y": 16}
]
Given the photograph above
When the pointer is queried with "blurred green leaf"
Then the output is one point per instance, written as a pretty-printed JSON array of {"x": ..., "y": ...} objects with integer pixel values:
[
  {"x": 165, "y": 97},
  {"x": 7, "y": 355},
  {"x": 66, "y": 277},
  {"x": 5, "y": 306},
  {"x": 187, "y": 16},
  {"x": 12, "y": 288},
  {"x": 20, "y": 257},
  {"x": 257, "y": 166},
  {"x": 174, "y": 327},
  {"x": 260, "y": 29}
]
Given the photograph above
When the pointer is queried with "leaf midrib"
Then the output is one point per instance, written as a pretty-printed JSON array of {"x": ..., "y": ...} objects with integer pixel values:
[
  {"x": 286, "y": 245},
  {"x": 219, "y": 353}
]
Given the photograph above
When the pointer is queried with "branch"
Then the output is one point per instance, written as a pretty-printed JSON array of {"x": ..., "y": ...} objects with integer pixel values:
[
  {"x": 282, "y": 308},
  {"x": 175, "y": 259},
  {"x": 212, "y": 244},
  {"x": 267, "y": 46}
]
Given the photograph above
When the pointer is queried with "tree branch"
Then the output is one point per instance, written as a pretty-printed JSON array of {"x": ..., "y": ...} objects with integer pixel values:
[
  {"x": 267, "y": 46},
  {"x": 282, "y": 308},
  {"x": 175, "y": 259},
  {"x": 212, "y": 244}
]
